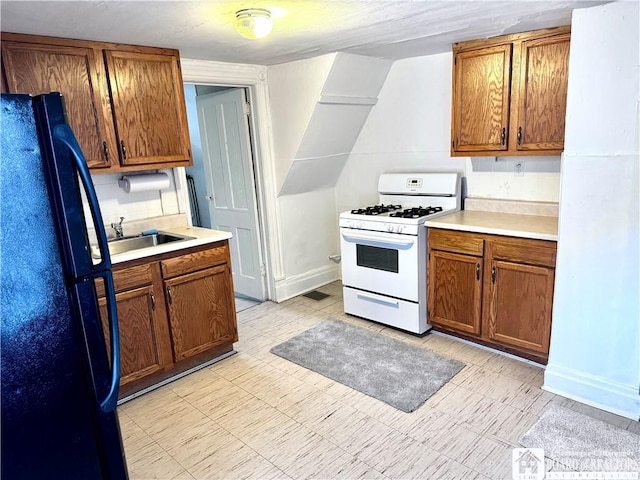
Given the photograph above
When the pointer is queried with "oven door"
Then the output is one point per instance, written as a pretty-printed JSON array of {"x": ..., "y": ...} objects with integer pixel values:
[{"x": 380, "y": 262}]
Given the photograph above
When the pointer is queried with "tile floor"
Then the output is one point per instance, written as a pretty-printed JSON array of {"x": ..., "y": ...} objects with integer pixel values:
[
  {"x": 244, "y": 303},
  {"x": 255, "y": 415}
]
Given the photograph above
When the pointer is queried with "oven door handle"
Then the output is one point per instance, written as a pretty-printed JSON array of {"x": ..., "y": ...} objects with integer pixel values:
[{"x": 379, "y": 239}]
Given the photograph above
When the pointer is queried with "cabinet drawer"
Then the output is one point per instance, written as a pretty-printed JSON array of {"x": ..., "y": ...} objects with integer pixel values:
[
  {"x": 456, "y": 242},
  {"x": 129, "y": 278},
  {"x": 194, "y": 261},
  {"x": 528, "y": 253}
]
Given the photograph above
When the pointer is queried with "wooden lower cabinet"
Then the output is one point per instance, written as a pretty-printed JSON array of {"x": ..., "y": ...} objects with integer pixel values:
[
  {"x": 456, "y": 291},
  {"x": 174, "y": 311},
  {"x": 519, "y": 305},
  {"x": 200, "y": 311},
  {"x": 145, "y": 347},
  {"x": 493, "y": 289}
]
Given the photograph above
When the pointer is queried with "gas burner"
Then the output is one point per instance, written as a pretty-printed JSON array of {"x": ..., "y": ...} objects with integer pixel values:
[
  {"x": 416, "y": 212},
  {"x": 376, "y": 209}
]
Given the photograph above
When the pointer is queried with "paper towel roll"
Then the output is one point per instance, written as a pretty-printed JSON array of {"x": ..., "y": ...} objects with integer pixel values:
[{"x": 145, "y": 182}]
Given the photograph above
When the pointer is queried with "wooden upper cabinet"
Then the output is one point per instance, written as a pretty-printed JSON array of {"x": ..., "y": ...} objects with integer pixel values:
[
  {"x": 78, "y": 74},
  {"x": 124, "y": 103},
  {"x": 481, "y": 99},
  {"x": 544, "y": 73},
  {"x": 510, "y": 94},
  {"x": 148, "y": 107}
]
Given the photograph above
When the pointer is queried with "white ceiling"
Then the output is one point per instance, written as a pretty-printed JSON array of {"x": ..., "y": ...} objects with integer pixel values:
[{"x": 305, "y": 28}]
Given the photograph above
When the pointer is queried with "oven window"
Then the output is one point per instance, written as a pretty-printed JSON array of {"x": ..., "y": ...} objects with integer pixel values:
[{"x": 376, "y": 257}]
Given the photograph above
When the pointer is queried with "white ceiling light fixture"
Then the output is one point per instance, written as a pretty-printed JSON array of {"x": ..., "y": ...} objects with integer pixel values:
[{"x": 253, "y": 23}]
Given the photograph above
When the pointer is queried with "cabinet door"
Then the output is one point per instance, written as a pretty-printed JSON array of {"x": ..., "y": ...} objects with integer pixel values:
[
  {"x": 77, "y": 73},
  {"x": 200, "y": 311},
  {"x": 520, "y": 301},
  {"x": 455, "y": 288},
  {"x": 144, "y": 348},
  {"x": 481, "y": 87},
  {"x": 148, "y": 108},
  {"x": 544, "y": 69}
]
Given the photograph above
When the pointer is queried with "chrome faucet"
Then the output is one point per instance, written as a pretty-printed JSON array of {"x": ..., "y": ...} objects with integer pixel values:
[{"x": 118, "y": 228}]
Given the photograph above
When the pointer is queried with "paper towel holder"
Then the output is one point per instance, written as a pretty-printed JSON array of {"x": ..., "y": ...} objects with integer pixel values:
[{"x": 144, "y": 182}]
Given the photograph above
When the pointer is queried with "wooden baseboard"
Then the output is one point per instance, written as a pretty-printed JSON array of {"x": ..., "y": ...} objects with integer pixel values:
[{"x": 535, "y": 357}]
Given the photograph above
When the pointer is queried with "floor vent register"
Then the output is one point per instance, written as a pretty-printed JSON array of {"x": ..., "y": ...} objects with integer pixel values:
[{"x": 315, "y": 295}]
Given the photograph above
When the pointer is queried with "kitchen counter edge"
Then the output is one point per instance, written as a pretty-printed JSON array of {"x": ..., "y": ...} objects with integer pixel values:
[
  {"x": 509, "y": 224},
  {"x": 202, "y": 236}
]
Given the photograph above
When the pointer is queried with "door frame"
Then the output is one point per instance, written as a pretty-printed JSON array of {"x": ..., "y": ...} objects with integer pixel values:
[
  {"x": 254, "y": 78},
  {"x": 252, "y": 285}
]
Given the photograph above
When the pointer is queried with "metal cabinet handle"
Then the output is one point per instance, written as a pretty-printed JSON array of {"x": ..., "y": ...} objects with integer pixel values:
[
  {"x": 169, "y": 295},
  {"x": 519, "y": 135},
  {"x": 477, "y": 271},
  {"x": 493, "y": 274},
  {"x": 153, "y": 301},
  {"x": 503, "y": 137},
  {"x": 105, "y": 150},
  {"x": 124, "y": 150}
]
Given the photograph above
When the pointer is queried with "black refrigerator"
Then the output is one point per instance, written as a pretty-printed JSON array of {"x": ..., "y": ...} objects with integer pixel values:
[{"x": 59, "y": 379}]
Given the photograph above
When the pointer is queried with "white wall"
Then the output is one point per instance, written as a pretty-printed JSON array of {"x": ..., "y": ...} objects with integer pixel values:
[
  {"x": 115, "y": 203},
  {"x": 410, "y": 129},
  {"x": 309, "y": 237},
  {"x": 294, "y": 89},
  {"x": 595, "y": 339},
  {"x": 348, "y": 95},
  {"x": 197, "y": 170},
  {"x": 308, "y": 222}
]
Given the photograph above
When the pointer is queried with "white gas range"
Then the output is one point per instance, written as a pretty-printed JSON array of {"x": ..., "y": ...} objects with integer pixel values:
[{"x": 384, "y": 248}]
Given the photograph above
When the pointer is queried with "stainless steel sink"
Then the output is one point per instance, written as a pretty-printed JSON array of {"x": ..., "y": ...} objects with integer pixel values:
[{"x": 128, "y": 244}]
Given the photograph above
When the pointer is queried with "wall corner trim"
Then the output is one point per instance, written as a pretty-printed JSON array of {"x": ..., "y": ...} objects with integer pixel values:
[{"x": 255, "y": 77}]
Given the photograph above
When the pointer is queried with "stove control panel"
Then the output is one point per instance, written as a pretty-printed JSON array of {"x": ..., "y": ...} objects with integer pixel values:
[
  {"x": 395, "y": 228},
  {"x": 355, "y": 225},
  {"x": 413, "y": 183}
]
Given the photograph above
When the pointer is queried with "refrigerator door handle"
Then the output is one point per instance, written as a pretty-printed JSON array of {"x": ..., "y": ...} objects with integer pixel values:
[
  {"x": 111, "y": 399},
  {"x": 64, "y": 133}
]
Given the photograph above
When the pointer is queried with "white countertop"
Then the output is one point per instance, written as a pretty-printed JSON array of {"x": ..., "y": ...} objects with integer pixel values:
[
  {"x": 510, "y": 224},
  {"x": 202, "y": 236}
]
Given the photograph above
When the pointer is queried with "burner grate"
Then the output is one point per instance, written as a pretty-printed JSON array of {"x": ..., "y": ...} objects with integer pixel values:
[
  {"x": 376, "y": 209},
  {"x": 315, "y": 295},
  {"x": 416, "y": 212}
]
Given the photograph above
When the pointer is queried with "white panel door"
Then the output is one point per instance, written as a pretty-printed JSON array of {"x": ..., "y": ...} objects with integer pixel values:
[{"x": 226, "y": 150}]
